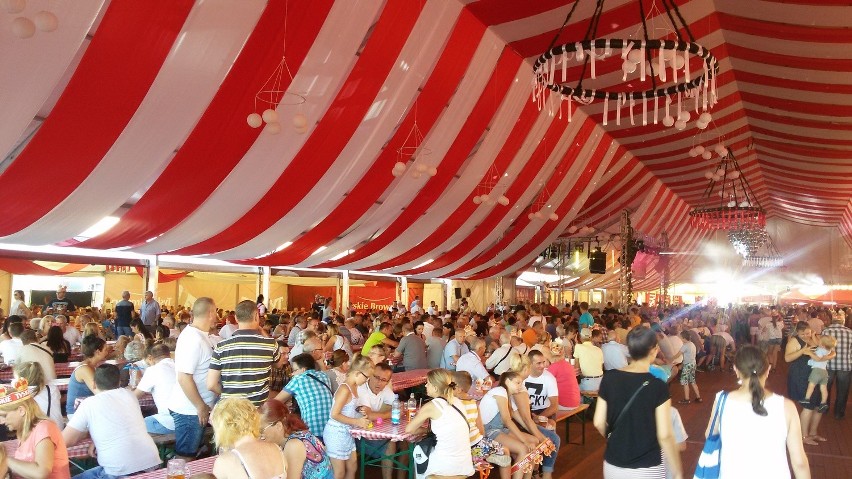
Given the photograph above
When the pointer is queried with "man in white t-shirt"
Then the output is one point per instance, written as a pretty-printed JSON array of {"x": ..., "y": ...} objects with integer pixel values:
[
  {"x": 191, "y": 401},
  {"x": 541, "y": 385},
  {"x": 70, "y": 333},
  {"x": 375, "y": 399},
  {"x": 11, "y": 348},
  {"x": 114, "y": 421},
  {"x": 159, "y": 380},
  {"x": 472, "y": 360}
]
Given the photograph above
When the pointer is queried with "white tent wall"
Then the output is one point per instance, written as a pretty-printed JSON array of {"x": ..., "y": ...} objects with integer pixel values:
[
  {"x": 433, "y": 292},
  {"x": 116, "y": 283}
]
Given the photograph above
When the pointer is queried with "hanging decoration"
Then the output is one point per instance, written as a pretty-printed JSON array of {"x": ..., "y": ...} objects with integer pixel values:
[
  {"x": 747, "y": 242},
  {"x": 767, "y": 256},
  {"x": 486, "y": 191},
  {"x": 273, "y": 94},
  {"x": 729, "y": 202},
  {"x": 540, "y": 209},
  {"x": 675, "y": 92},
  {"x": 23, "y": 27},
  {"x": 413, "y": 151}
]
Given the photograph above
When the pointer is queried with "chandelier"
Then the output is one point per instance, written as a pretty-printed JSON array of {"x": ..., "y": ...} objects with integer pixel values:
[
  {"x": 768, "y": 256},
  {"x": 729, "y": 202},
  {"x": 664, "y": 67},
  {"x": 747, "y": 242}
]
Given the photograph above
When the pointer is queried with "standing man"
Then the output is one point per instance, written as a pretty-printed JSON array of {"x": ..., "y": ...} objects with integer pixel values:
[
  {"x": 840, "y": 367},
  {"x": 586, "y": 318},
  {"x": 415, "y": 305},
  {"x": 191, "y": 400},
  {"x": 62, "y": 304},
  {"x": 241, "y": 364},
  {"x": 149, "y": 311},
  {"x": 123, "y": 315}
]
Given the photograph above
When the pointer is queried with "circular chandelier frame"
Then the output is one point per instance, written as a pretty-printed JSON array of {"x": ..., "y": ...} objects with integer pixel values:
[{"x": 541, "y": 76}]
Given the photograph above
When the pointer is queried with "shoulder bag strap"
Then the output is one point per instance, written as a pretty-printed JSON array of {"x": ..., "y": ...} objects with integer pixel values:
[
  {"x": 49, "y": 399},
  {"x": 319, "y": 381},
  {"x": 626, "y": 407},
  {"x": 720, "y": 407},
  {"x": 459, "y": 411},
  {"x": 508, "y": 352}
]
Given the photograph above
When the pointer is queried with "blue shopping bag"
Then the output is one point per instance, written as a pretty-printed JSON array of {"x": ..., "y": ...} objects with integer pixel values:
[{"x": 709, "y": 461}]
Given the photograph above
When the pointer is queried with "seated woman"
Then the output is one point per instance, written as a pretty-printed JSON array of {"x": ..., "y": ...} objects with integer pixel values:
[
  {"x": 451, "y": 457},
  {"x": 41, "y": 451},
  {"x": 46, "y": 396},
  {"x": 140, "y": 332},
  {"x": 82, "y": 380},
  {"x": 304, "y": 453},
  {"x": 236, "y": 425},
  {"x": 59, "y": 345}
]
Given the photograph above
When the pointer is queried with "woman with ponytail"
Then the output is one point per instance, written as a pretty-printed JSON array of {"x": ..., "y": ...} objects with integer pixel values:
[
  {"x": 451, "y": 457},
  {"x": 757, "y": 426}
]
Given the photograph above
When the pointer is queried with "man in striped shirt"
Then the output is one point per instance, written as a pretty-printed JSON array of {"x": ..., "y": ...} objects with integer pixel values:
[{"x": 241, "y": 364}]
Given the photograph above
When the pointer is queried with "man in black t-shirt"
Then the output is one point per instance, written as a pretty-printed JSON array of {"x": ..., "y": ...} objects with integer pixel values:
[
  {"x": 123, "y": 315},
  {"x": 61, "y": 303}
]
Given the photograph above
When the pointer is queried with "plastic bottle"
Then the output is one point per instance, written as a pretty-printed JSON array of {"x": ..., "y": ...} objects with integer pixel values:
[
  {"x": 412, "y": 408},
  {"x": 395, "y": 412}
]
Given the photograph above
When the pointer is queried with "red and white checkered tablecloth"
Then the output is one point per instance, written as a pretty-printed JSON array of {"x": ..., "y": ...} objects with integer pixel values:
[
  {"x": 76, "y": 451},
  {"x": 385, "y": 431},
  {"x": 408, "y": 379},
  {"x": 63, "y": 370},
  {"x": 199, "y": 466}
]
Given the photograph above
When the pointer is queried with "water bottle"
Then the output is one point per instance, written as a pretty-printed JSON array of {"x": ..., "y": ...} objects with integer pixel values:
[
  {"x": 395, "y": 412},
  {"x": 412, "y": 408}
]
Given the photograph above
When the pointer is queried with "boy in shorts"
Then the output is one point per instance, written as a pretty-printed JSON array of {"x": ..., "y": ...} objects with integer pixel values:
[{"x": 819, "y": 375}]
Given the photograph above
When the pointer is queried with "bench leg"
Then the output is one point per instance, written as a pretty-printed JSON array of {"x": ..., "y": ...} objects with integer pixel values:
[{"x": 584, "y": 426}]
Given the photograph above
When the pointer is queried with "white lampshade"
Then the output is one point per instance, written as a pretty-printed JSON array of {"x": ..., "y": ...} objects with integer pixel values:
[
  {"x": 23, "y": 27},
  {"x": 46, "y": 21},
  {"x": 13, "y": 6},
  {"x": 269, "y": 116},
  {"x": 254, "y": 120}
]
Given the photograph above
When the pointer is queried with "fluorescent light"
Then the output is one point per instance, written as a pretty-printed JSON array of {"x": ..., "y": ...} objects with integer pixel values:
[
  {"x": 424, "y": 263},
  {"x": 283, "y": 246},
  {"x": 99, "y": 228},
  {"x": 319, "y": 250},
  {"x": 344, "y": 253}
]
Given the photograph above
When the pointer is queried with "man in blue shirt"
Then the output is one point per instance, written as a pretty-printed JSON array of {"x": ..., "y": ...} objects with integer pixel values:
[
  {"x": 586, "y": 319},
  {"x": 149, "y": 311}
]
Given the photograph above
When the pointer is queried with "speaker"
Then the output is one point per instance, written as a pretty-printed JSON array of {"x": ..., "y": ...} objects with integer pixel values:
[
  {"x": 467, "y": 293},
  {"x": 458, "y": 293},
  {"x": 597, "y": 262}
]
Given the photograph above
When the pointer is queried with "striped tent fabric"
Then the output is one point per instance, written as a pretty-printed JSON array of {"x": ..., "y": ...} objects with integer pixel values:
[{"x": 138, "y": 110}]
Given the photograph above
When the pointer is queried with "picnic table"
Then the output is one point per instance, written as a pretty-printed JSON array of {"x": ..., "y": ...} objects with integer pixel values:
[
  {"x": 198, "y": 466},
  {"x": 408, "y": 379},
  {"x": 63, "y": 370},
  {"x": 388, "y": 432},
  {"x": 77, "y": 451}
]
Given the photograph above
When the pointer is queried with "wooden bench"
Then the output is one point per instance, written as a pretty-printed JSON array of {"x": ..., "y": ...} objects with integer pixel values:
[{"x": 563, "y": 415}]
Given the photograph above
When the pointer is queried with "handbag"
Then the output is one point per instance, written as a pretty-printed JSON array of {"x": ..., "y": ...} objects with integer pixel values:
[
  {"x": 423, "y": 448},
  {"x": 709, "y": 461}
]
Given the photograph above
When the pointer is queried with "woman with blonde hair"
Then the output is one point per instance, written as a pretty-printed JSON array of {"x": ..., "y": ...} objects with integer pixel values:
[
  {"x": 93, "y": 329},
  {"x": 345, "y": 416},
  {"x": 41, "y": 451},
  {"x": 304, "y": 453},
  {"x": 522, "y": 366},
  {"x": 236, "y": 426},
  {"x": 44, "y": 327},
  {"x": 451, "y": 457},
  {"x": 46, "y": 396},
  {"x": 336, "y": 341}
]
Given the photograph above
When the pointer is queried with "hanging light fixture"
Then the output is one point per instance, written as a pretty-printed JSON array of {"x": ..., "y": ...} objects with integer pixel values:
[
  {"x": 274, "y": 93},
  {"x": 540, "y": 210},
  {"x": 412, "y": 150},
  {"x": 729, "y": 202},
  {"x": 486, "y": 191},
  {"x": 767, "y": 256},
  {"x": 747, "y": 242},
  {"x": 24, "y": 27},
  {"x": 663, "y": 66}
]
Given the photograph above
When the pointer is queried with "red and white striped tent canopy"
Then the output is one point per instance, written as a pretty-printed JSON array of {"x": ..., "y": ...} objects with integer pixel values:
[{"x": 137, "y": 109}]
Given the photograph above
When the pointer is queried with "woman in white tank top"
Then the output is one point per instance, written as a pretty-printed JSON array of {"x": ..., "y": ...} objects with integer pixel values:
[{"x": 758, "y": 427}]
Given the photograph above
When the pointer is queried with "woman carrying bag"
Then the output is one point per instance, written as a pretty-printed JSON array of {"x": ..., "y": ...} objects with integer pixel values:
[
  {"x": 634, "y": 413},
  {"x": 756, "y": 427}
]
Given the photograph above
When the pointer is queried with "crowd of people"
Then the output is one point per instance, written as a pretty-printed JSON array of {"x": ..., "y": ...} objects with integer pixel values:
[{"x": 284, "y": 390}]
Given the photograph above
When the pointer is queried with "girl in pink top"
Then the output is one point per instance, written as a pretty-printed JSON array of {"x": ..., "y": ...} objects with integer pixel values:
[{"x": 41, "y": 450}]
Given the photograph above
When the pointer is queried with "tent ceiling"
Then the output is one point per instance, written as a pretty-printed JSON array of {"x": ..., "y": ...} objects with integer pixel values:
[{"x": 138, "y": 109}]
